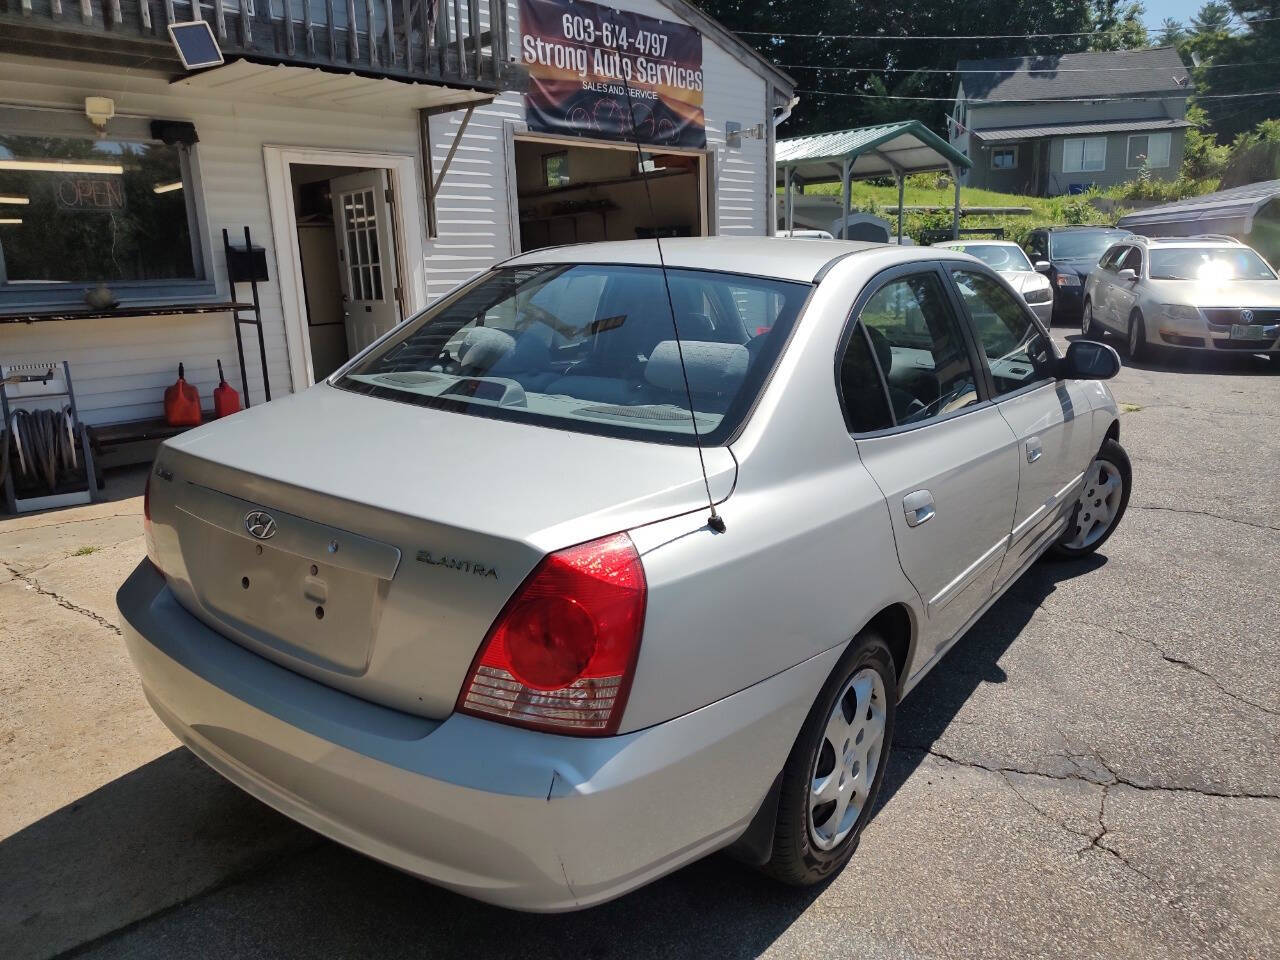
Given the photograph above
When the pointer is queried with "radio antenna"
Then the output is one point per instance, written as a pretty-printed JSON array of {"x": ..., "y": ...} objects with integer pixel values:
[{"x": 715, "y": 521}]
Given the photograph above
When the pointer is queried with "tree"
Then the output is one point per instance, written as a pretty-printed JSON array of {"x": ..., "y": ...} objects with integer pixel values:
[
  {"x": 1119, "y": 25},
  {"x": 1214, "y": 17},
  {"x": 1254, "y": 156},
  {"x": 835, "y": 97},
  {"x": 1172, "y": 33}
]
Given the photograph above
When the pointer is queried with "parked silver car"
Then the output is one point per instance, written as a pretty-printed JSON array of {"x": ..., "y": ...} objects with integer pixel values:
[
  {"x": 464, "y": 607},
  {"x": 1200, "y": 293},
  {"x": 1008, "y": 258}
]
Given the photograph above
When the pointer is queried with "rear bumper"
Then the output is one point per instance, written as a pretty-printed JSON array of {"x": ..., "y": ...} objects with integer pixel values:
[{"x": 518, "y": 818}]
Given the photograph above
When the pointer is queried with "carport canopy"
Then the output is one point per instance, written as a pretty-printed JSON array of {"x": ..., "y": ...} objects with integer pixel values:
[{"x": 887, "y": 149}]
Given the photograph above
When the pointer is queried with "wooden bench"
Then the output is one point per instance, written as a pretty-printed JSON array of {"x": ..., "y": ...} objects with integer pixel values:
[{"x": 136, "y": 441}]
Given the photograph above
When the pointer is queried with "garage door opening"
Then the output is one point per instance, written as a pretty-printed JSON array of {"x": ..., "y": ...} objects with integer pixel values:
[{"x": 570, "y": 193}]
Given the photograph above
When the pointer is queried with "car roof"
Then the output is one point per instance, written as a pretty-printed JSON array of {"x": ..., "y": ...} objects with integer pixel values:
[
  {"x": 1187, "y": 241},
  {"x": 782, "y": 258},
  {"x": 975, "y": 241},
  {"x": 1081, "y": 228}
]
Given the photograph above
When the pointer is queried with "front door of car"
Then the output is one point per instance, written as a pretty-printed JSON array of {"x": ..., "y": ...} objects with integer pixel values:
[
  {"x": 1102, "y": 279},
  {"x": 1051, "y": 419},
  {"x": 947, "y": 463},
  {"x": 1124, "y": 293}
]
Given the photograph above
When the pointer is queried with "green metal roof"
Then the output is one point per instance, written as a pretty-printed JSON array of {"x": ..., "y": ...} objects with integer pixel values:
[{"x": 907, "y": 145}]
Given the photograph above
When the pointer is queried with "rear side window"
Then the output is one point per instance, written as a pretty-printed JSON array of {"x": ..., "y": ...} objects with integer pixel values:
[
  {"x": 593, "y": 348},
  {"x": 1018, "y": 352},
  {"x": 917, "y": 341},
  {"x": 861, "y": 389}
]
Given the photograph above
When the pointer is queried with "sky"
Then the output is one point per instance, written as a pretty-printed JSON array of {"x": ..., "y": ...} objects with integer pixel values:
[{"x": 1182, "y": 10}]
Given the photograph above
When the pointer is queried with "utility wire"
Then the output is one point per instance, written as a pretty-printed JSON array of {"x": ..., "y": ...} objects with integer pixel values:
[
  {"x": 1205, "y": 66},
  {"x": 949, "y": 36},
  {"x": 1020, "y": 100}
]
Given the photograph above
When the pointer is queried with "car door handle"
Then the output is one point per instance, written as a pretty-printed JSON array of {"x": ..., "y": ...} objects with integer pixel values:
[
  {"x": 918, "y": 506},
  {"x": 1034, "y": 450}
]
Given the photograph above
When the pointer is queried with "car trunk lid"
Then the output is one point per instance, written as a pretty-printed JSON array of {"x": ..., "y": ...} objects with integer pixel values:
[{"x": 371, "y": 544}]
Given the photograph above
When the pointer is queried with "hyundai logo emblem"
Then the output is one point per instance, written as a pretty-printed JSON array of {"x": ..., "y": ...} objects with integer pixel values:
[
  {"x": 1246, "y": 316},
  {"x": 261, "y": 526}
]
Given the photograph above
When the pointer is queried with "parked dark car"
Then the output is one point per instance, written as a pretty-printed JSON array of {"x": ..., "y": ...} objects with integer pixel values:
[{"x": 1067, "y": 255}]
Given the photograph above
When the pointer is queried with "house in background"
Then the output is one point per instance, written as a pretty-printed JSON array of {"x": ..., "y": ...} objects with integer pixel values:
[{"x": 1056, "y": 124}]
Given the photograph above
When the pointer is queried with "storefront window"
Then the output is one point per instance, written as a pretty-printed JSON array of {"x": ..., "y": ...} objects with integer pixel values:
[{"x": 76, "y": 212}]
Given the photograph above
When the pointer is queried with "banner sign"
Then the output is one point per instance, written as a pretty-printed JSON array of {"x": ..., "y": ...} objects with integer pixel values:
[{"x": 578, "y": 55}]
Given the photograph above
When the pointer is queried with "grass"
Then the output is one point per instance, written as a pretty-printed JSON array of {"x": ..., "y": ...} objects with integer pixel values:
[
  {"x": 1130, "y": 407},
  {"x": 864, "y": 195},
  {"x": 85, "y": 551}
]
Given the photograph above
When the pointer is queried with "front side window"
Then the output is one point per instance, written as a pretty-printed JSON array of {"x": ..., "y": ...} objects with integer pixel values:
[
  {"x": 1017, "y": 350},
  {"x": 1132, "y": 261},
  {"x": 1084, "y": 155},
  {"x": 76, "y": 212},
  {"x": 1038, "y": 246},
  {"x": 1208, "y": 263},
  {"x": 917, "y": 342},
  {"x": 1112, "y": 257},
  {"x": 592, "y": 348},
  {"x": 1149, "y": 148},
  {"x": 1004, "y": 158}
]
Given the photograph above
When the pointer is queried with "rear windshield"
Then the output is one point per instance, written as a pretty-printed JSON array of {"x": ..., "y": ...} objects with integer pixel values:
[
  {"x": 1208, "y": 263},
  {"x": 592, "y": 348},
  {"x": 1083, "y": 245},
  {"x": 998, "y": 256}
]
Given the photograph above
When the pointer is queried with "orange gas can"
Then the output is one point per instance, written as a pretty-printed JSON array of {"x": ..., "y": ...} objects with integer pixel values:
[{"x": 225, "y": 399}]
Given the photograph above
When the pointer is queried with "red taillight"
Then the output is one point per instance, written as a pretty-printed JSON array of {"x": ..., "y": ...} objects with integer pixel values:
[{"x": 562, "y": 652}]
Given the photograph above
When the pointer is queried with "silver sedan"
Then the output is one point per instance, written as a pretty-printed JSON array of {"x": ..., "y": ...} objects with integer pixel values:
[
  {"x": 1006, "y": 257},
  {"x": 604, "y": 563}
]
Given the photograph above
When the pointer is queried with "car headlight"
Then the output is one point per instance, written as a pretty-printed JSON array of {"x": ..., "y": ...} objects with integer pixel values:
[
  {"x": 1038, "y": 294},
  {"x": 1180, "y": 311},
  {"x": 1068, "y": 280}
]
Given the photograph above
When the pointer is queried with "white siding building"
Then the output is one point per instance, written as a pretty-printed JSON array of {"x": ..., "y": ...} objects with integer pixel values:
[{"x": 286, "y": 150}]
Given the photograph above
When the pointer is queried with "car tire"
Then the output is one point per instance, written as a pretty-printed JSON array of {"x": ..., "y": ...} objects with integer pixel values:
[
  {"x": 1138, "y": 348},
  {"x": 1085, "y": 535},
  {"x": 1089, "y": 327},
  {"x": 809, "y": 846}
]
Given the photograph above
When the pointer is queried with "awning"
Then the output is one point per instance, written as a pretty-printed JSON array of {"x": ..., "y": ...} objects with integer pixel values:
[
  {"x": 1226, "y": 211},
  {"x": 324, "y": 88},
  {"x": 881, "y": 151},
  {"x": 1074, "y": 129}
]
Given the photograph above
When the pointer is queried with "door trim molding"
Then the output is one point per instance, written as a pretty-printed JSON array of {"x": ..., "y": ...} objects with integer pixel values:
[{"x": 407, "y": 222}]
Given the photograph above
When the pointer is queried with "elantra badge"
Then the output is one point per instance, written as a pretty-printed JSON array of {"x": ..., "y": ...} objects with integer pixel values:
[{"x": 261, "y": 525}]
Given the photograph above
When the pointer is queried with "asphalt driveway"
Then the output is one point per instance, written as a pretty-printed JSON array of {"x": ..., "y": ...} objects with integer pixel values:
[{"x": 1093, "y": 771}]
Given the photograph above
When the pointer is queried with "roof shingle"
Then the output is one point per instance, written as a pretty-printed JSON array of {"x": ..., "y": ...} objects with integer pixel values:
[{"x": 1112, "y": 73}]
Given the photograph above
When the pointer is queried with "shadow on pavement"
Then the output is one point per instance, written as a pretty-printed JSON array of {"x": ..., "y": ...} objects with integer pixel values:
[{"x": 249, "y": 882}]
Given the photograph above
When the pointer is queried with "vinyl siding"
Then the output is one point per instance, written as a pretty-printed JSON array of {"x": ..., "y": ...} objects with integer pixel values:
[{"x": 120, "y": 366}]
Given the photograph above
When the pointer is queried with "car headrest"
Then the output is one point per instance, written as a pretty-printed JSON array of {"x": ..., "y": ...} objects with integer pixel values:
[
  {"x": 713, "y": 367},
  {"x": 482, "y": 347}
]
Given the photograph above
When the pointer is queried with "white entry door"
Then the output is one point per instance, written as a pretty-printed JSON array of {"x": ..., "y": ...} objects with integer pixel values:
[{"x": 364, "y": 229}]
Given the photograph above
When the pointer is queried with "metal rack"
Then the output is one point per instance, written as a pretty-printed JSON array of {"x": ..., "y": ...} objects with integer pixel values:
[
  {"x": 41, "y": 381},
  {"x": 247, "y": 264}
]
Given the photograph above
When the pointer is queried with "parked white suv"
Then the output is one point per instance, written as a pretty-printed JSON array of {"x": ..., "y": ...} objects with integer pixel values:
[{"x": 1202, "y": 293}]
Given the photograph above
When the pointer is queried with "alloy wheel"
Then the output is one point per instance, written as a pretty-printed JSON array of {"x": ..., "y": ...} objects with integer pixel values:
[
  {"x": 1099, "y": 504},
  {"x": 1135, "y": 335},
  {"x": 845, "y": 768},
  {"x": 1086, "y": 320}
]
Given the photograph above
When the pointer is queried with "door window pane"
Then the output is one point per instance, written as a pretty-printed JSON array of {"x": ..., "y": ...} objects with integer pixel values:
[
  {"x": 363, "y": 261},
  {"x": 917, "y": 340},
  {"x": 1132, "y": 260},
  {"x": 1017, "y": 351},
  {"x": 79, "y": 210},
  {"x": 861, "y": 390}
]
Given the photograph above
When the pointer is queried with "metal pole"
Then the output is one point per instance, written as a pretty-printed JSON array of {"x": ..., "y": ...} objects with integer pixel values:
[
  {"x": 257, "y": 312},
  {"x": 845, "y": 191},
  {"x": 901, "y": 183},
  {"x": 235, "y": 319},
  {"x": 955, "y": 210},
  {"x": 788, "y": 173}
]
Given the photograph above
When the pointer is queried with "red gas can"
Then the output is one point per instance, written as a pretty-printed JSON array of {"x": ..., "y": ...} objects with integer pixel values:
[
  {"x": 182, "y": 403},
  {"x": 225, "y": 399}
]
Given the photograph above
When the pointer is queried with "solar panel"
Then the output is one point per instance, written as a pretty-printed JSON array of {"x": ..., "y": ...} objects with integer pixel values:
[{"x": 195, "y": 44}]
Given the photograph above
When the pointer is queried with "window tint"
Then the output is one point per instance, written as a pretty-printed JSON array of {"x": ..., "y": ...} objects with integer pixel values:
[
  {"x": 1017, "y": 352},
  {"x": 592, "y": 348},
  {"x": 918, "y": 344},
  {"x": 1132, "y": 260},
  {"x": 861, "y": 389}
]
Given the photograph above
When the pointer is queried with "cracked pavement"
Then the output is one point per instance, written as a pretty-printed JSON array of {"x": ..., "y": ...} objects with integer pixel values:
[{"x": 1091, "y": 772}]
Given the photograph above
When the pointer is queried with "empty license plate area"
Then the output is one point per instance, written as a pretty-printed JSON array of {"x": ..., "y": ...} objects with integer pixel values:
[{"x": 306, "y": 589}]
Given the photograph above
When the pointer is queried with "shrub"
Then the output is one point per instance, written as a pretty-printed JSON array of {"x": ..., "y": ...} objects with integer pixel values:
[{"x": 1254, "y": 156}]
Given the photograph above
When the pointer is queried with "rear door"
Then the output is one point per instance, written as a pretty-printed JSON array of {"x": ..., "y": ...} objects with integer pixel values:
[
  {"x": 1050, "y": 418},
  {"x": 944, "y": 458}
]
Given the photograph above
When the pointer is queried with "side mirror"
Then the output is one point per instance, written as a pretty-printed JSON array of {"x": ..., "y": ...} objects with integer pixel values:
[
  {"x": 1042, "y": 266},
  {"x": 1127, "y": 275},
  {"x": 1089, "y": 360}
]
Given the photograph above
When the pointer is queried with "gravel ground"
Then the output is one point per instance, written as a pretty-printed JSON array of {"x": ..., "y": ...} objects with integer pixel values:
[{"x": 1092, "y": 771}]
